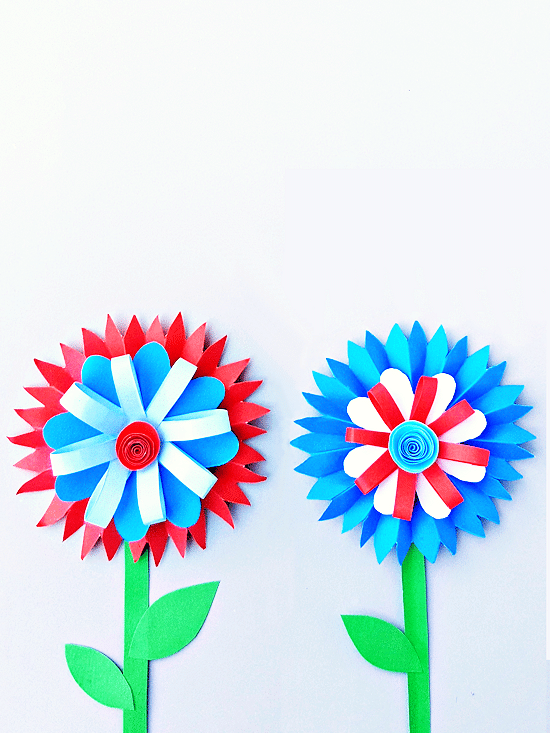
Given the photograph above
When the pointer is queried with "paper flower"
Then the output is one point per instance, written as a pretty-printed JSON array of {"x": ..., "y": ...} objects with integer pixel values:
[
  {"x": 139, "y": 435},
  {"x": 414, "y": 441}
]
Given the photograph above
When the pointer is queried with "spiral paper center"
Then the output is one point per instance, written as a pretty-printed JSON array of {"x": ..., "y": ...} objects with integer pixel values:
[
  {"x": 413, "y": 446},
  {"x": 137, "y": 445}
]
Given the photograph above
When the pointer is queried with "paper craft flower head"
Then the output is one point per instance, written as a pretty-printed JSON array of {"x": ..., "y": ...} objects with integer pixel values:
[
  {"x": 139, "y": 435},
  {"x": 413, "y": 441}
]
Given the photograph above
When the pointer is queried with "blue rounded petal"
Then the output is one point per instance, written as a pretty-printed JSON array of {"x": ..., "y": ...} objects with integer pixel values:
[
  {"x": 97, "y": 375},
  {"x": 152, "y": 364},
  {"x": 80, "y": 485},
  {"x": 127, "y": 517},
  {"x": 214, "y": 451},
  {"x": 64, "y": 429},
  {"x": 203, "y": 393},
  {"x": 183, "y": 507}
]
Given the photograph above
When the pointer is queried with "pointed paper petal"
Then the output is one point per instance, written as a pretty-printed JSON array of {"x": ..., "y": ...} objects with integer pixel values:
[
  {"x": 134, "y": 338},
  {"x": 113, "y": 339},
  {"x": 42, "y": 482},
  {"x": 54, "y": 375},
  {"x": 211, "y": 358},
  {"x": 93, "y": 344},
  {"x": 155, "y": 333},
  {"x": 193, "y": 347},
  {"x": 175, "y": 338},
  {"x": 229, "y": 373},
  {"x": 56, "y": 511}
]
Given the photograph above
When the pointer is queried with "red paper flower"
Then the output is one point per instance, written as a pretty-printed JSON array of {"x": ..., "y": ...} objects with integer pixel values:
[{"x": 207, "y": 359}]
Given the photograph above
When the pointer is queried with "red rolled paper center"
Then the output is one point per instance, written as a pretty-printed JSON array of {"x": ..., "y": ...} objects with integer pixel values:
[{"x": 137, "y": 445}]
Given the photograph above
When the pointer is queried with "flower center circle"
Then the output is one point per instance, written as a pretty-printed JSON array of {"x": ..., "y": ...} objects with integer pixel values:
[
  {"x": 413, "y": 446},
  {"x": 137, "y": 445}
]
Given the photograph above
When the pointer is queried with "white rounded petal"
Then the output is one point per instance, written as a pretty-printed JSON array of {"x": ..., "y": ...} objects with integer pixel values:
[
  {"x": 362, "y": 412},
  {"x": 384, "y": 497},
  {"x": 463, "y": 471},
  {"x": 446, "y": 387},
  {"x": 359, "y": 459},
  {"x": 467, "y": 429},
  {"x": 398, "y": 385},
  {"x": 429, "y": 499}
]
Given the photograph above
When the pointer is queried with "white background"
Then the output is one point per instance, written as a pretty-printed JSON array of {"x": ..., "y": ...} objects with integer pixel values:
[{"x": 293, "y": 173}]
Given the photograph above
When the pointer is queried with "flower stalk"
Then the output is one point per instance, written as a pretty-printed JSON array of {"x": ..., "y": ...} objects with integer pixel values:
[
  {"x": 136, "y": 671},
  {"x": 415, "y": 613}
]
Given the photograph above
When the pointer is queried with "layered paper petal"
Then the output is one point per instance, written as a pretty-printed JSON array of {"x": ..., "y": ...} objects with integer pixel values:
[
  {"x": 122, "y": 380},
  {"x": 462, "y": 451}
]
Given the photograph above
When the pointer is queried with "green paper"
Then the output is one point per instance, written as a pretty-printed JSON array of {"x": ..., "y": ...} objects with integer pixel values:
[
  {"x": 416, "y": 628},
  {"x": 173, "y": 621},
  {"x": 99, "y": 677},
  {"x": 136, "y": 602},
  {"x": 382, "y": 644}
]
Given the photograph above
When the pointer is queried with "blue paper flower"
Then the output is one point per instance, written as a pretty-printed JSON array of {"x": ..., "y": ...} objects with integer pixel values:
[
  {"x": 413, "y": 441},
  {"x": 138, "y": 438}
]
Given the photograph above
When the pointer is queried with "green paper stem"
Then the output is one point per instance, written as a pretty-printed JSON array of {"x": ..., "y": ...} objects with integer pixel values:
[
  {"x": 136, "y": 671},
  {"x": 416, "y": 628}
]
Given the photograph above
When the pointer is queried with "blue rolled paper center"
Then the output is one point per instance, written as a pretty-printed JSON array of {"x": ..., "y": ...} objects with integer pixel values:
[{"x": 413, "y": 446}]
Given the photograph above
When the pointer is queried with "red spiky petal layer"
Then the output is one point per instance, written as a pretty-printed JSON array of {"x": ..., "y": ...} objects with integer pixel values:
[{"x": 207, "y": 359}]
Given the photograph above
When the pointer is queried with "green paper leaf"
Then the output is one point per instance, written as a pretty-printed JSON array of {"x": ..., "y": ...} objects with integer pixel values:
[
  {"x": 382, "y": 644},
  {"x": 99, "y": 677},
  {"x": 170, "y": 623}
]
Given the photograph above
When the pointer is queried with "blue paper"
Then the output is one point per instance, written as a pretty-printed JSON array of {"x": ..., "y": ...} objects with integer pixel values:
[
  {"x": 344, "y": 374},
  {"x": 96, "y": 374},
  {"x": 64, "y": 429},
  {"x": 436, "y": 353},
  {"x": 331, "y": 485},
  {"x": 183, "y": 507},
  {"x": 80, "y": 485},
  {"x": 377, "y": 352},
  {"x": 363, "y": 366},
  {"x": 203, "y": 393},
  {"x": 417, "y": 352},
  {"x": 456, "y": 357},
  {"x": 152, "y": 364},
  {"x": 397, "y": 349},
  {"x": 425, "y": 535},
  {"x": 341, "y": 503},
  {"x": 328, "y": 425},
  {"x": 127, "y": 516},
  {"x": 333, "y": 389},
  {"x": 358, "y": 512},
  {"x": 320, "y": 443}
]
